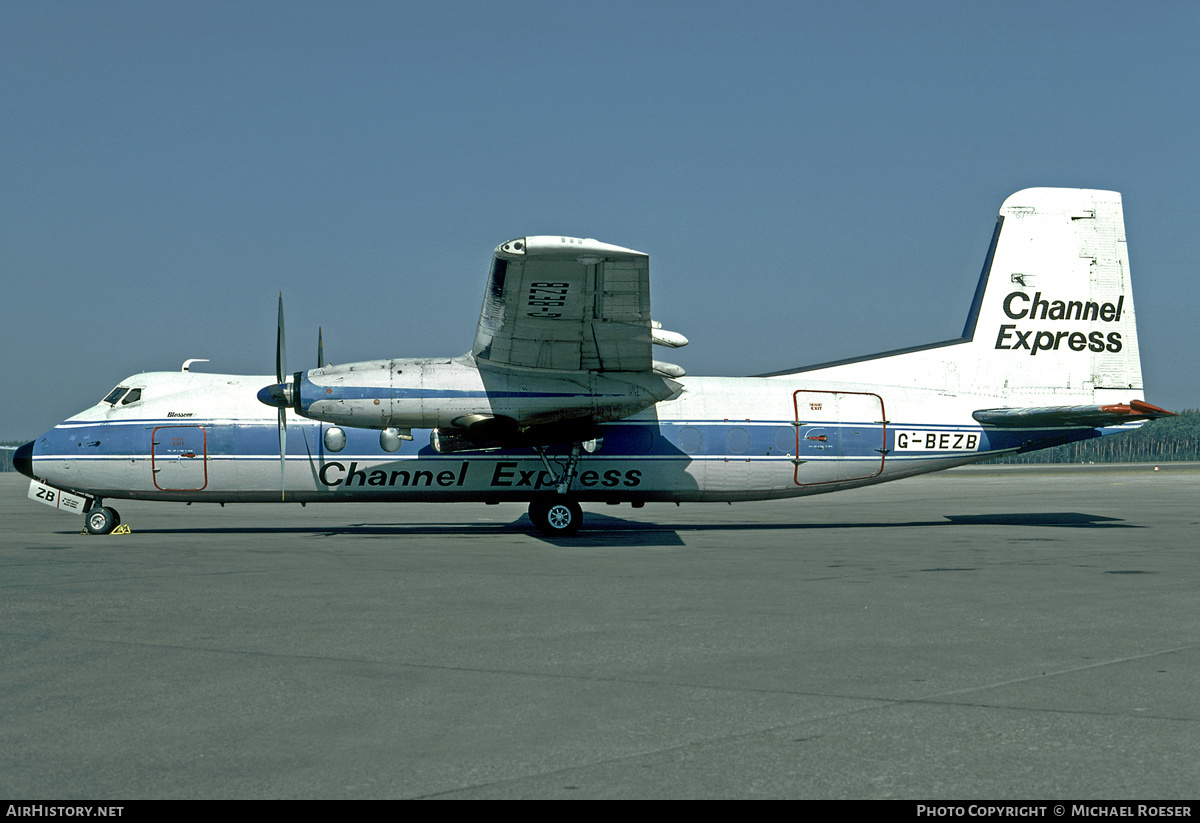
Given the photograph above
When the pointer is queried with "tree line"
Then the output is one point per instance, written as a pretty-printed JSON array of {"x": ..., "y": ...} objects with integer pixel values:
[{"x": 1157, "y": 441}]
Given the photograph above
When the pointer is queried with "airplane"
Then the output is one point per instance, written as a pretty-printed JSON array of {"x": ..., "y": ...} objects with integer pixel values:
[{"x": 560, "y": 402}]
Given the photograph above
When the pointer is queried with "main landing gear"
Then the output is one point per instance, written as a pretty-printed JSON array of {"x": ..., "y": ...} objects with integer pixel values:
[
  {"x": 558, "y": 515},
  {"x": 101, "y": 520}
]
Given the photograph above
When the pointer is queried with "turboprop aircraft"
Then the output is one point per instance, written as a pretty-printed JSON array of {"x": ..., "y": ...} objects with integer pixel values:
[{"x": 559, "y": 400}]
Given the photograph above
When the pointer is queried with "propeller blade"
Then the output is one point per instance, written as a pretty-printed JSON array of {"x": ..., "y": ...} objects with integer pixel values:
[
  {"x": 280, "y": 347},
  {"x": 282, "y": 451},
  {"x": 320, "y": 349},
  {"x": 281, "y": 376}
]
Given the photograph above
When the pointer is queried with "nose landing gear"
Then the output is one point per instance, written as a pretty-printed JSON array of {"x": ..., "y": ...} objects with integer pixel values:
[{"x": 101, "y": 520}]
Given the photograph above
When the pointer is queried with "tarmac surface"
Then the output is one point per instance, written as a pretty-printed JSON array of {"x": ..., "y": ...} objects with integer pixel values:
[{"x": 983, "y": 633}]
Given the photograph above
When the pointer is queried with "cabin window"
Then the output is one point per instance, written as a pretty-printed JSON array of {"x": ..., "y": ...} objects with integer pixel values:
[
  {"x": 115, "y": 394},
  {"x": 133, "y": 396}
]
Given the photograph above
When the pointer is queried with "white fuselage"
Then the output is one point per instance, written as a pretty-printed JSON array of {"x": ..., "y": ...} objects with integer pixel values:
[{"x": 206, "y": 437}]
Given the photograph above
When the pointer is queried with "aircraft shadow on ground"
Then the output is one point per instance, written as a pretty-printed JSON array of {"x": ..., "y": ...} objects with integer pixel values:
[{"x": 606, "y": 530}]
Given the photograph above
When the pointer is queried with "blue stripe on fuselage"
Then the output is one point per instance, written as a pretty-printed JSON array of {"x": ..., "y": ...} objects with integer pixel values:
[{"x": 675, "y": 439}]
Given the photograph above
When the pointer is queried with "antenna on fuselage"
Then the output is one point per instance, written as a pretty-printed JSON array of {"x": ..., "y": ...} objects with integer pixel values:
[{"x": 187, "y": 364}]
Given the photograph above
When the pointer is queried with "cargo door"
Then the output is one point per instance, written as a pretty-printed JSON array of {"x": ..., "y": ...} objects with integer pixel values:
[{"x": 840, "y": 436}]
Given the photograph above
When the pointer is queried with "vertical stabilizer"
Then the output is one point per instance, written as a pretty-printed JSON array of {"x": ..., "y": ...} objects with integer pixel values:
[{"x": 1055, "y": 319}]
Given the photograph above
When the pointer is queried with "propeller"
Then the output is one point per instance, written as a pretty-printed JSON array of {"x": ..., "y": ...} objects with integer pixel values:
[
  {"x": 279, "y": 394},
  {"x": 282, "y": 394}
]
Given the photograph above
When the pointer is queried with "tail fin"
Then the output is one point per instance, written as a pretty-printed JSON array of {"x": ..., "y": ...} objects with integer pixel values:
[{"x": 1052, "y": 321}]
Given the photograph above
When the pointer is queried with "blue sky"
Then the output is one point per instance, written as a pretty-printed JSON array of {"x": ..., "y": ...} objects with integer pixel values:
[{"x": 812, "y": 180}]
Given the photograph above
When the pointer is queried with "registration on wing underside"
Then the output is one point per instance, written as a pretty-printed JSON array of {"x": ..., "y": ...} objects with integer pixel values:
[{"x": 916, "y": 440}]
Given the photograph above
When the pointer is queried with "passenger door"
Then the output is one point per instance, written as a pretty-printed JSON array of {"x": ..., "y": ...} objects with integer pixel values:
[{"x": 179, "y": 458}]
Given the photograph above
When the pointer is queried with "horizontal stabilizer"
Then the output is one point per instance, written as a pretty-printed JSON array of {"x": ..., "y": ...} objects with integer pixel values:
[{"x": 1070, "y": 417}]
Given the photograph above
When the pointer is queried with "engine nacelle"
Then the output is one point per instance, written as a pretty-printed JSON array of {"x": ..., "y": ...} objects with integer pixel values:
[{"x": 430, "y": 394}]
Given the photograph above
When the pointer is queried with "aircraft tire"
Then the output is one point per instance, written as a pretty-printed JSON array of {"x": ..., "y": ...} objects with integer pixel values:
[
  {"x": 556, "y": 518},
  {"x": 101, "y": 521}
]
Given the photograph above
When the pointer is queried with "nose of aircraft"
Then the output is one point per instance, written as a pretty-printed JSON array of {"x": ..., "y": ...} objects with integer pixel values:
[{"x": 23, "y": 460}]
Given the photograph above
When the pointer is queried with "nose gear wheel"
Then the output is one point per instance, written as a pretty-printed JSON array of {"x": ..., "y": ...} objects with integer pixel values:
[{"x": 101, "y": 520}]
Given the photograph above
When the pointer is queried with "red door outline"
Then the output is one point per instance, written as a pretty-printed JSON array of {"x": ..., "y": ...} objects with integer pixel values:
[
  {"x": 882, "y": 445},
  {"x": 179, "y": 452}
]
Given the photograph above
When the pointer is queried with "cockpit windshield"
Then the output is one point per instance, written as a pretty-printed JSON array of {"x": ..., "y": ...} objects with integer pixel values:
[{"x": 124, "y": 394}]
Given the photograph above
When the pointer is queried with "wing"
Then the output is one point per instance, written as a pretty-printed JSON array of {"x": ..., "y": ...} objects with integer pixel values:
[
  {"x": 566, "y": 304},
  {"x": 1070, "y": 417}
]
